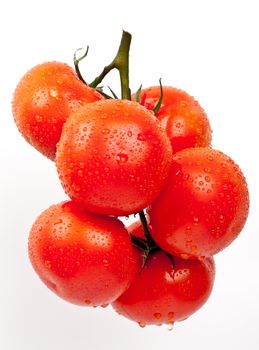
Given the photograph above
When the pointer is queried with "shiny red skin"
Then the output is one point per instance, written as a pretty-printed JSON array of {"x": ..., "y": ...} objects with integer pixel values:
[
  {"x": 84, "y": 258},
  {"x": 203, "y": 206},
  {"x": 43, "y": 100},
  {"x": 167, "y": 290},
  {"x": 113, "y": 157},
  {"x": 184, "y": 120}
]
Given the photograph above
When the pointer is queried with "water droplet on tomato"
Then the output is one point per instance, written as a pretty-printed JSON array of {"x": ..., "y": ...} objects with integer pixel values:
[
  {"x": 51, "y": 285},
  {"x": 53, "y": 93},
  {"x": 170, "y": 326},
  {"x": 194, "y": 248},
  {"x": 104, "y": 305},
  {"x": 221, "y": 219},
  {"x": 201, "y": 258},
  {"x": 59, "y": 221},
  {"x": 80, "y": 173},
  {"x": 142, "y": 324},
  {"x": 81, "y": 165},
  {"x": 105, "y": 262},
  {"x": 157, "y": 315},
  {"x": 121, "y": 158},
  {"x": 47, "y": 263},
  {"x": 170, "y": 316},
  {"x": 106, "y": 131},
  {"x": 38, "y": 118},
  {"x": 207, "y": 178},
  {"x": 184, "y": 256},
  {"x": 76, "y": 187},
  {"x": 141, "y": 137}
]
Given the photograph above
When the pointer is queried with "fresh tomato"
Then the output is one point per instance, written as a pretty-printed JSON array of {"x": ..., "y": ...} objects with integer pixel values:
[
  {"x": 166, "y": 290},
  {"x": 182, "y": 117},
  {"x": 84, "y": 258},
  {"x": 203, "y": 206},
  {"x": 113, "y": 157},
  {"x": 43, "y": 100}
]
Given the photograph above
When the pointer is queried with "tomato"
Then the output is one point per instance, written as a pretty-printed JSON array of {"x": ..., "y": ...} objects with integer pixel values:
[
  {"x": 166, "y": 290},
  {"x": 182, "y": 117},
  {"x": 203, "y": 206},
  {"x": 84, "y": 258},
  {"x": 113, "y": 157},
  {"x": 42, "y": 101}
]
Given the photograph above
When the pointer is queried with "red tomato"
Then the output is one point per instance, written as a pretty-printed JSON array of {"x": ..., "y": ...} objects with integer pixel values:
[
  {"x": 113, "y": 157},
  {"x": 182, "y": 117},
  {"x": 203, "y": 206},
  {"x": 42, "y": 101},
  {"x": 167, "y": 289},
  {"x": 84, "y": 258}
]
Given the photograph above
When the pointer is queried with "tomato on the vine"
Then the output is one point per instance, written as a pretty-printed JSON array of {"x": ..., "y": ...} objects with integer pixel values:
[
  {"x": 148, "y": 153},
  {"x": 184, "y": 120},
  {"x": 43, "y": 100},
  {"x": 84, "y": 258},
  {"x": 113, "y": 157},
  {"x": 167, "y": 289},
  {"x": 203, "y": 206}
]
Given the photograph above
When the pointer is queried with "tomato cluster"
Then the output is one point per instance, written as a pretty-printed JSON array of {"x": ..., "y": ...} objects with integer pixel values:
[{"x": 117, "y": 157}]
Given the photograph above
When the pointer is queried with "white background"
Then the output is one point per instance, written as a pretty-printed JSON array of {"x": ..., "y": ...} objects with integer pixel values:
[{"x": 208, "y": 48}]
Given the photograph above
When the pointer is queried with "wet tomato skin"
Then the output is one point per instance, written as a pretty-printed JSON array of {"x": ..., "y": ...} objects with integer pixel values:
[
  {"x": 203, "y": 206},
  {"x": 167, "y": 290},
  {"x": 43, "y": 100},
  {"x": 84, "y": 258},
  {"x": 184, "y": 120},
  {"x": 186, "y": 125},
  {"x": 113, "y": 157}
]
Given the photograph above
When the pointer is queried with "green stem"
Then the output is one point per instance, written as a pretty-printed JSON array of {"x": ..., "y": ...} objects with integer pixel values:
[
  {"x": 121, "y": 63},
  {"x": 150, "y": 241},
  {"x": 76, "y": 63},
  {"x": 139, "y": 243},
  {"x": 159, "y": 102}
]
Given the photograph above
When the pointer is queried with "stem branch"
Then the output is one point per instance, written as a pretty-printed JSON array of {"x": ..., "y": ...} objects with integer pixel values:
[
  {"x": 121, "y": 63},
  {"x": 76, "y": 63}
]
